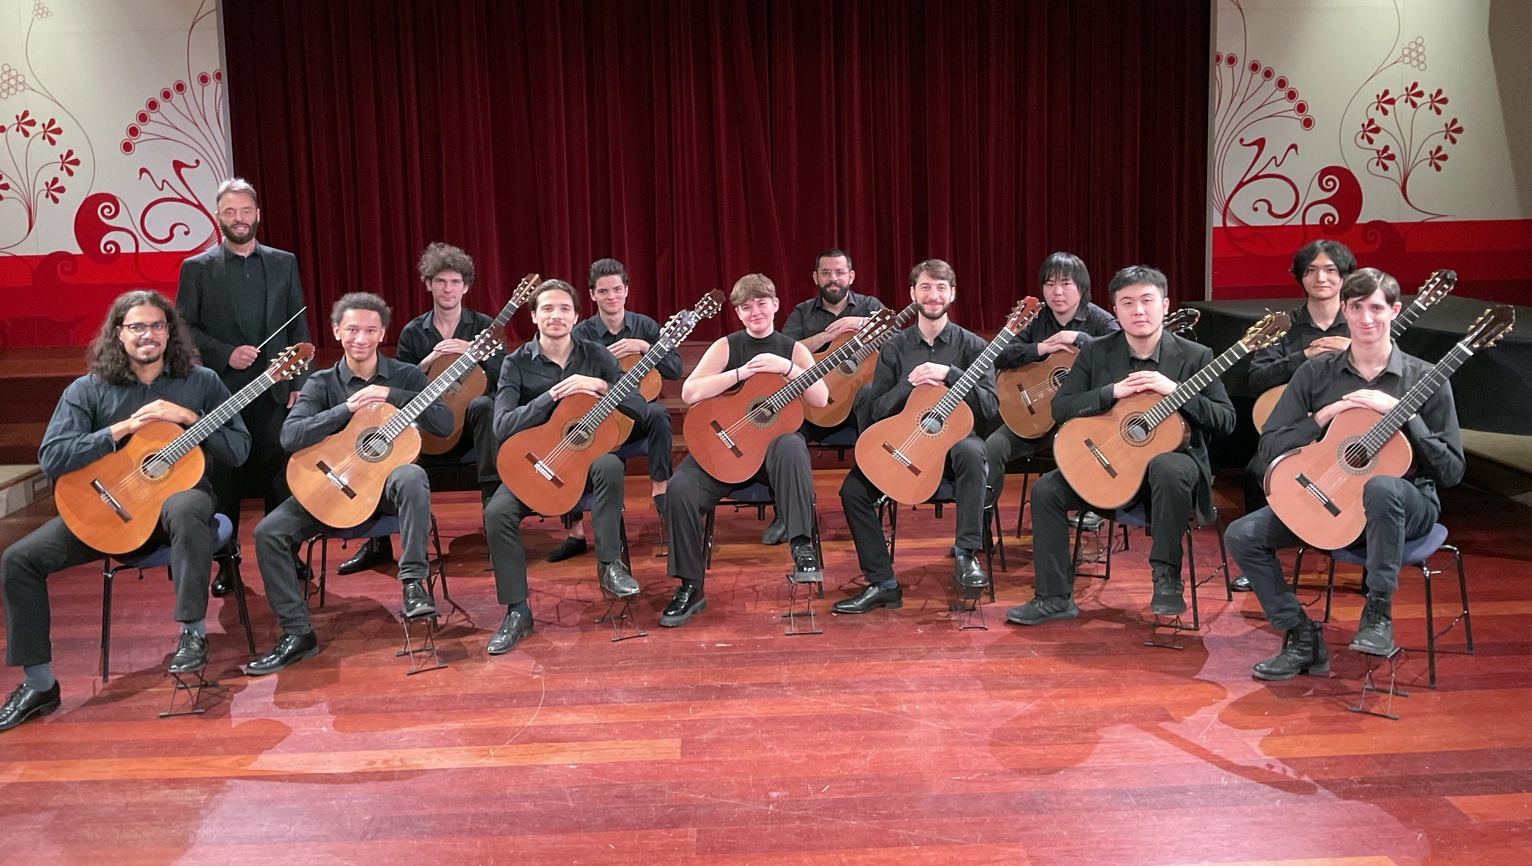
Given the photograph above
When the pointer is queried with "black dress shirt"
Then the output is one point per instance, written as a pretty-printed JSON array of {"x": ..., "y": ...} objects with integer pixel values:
[
  {"x": 78, "y": 433},
  {"x": 955, "y": 346},
  {"x": 1276, "y": 364},
  {"x": 635, "y": 326},
  {"x": 1432, "y": 433},
  {"x": 245, "y": 277},
  {"x": 1089, "y": 320},
  {"x": 420, "y": 337},
  {"x": 321, "y": 407},
  {"x": 811, "y": 317},
  {"x": 523, "y": 400}
]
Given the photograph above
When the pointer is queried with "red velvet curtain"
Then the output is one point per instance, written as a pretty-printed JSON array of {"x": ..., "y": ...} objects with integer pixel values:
[{"x": 699, "y": 140}]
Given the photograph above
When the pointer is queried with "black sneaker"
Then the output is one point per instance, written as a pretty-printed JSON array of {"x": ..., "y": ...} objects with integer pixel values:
[
  {"x": 1375, "y": 632},
  {"x": 1169, "y": 593},
  {"x": 806, "y": 565},
  {"x": 1043, "y": 608}
]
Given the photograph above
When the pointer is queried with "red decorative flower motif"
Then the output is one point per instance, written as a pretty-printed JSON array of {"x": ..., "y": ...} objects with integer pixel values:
[
  {"x": 1383, "y": 102},
  {"x": 1382, "y": 158},
  {"x": 68, "y": 162},
  {"x": 1413, "y": 94},
  {"x": 3, "y": 186},
  {"x": 1451, "y": 131},
  {"x": 24, "y": 124},
  {"x": 1371, "y": 130},
  {"x": 51, "y": 132},
  {"x": 53, "y": 189},
  {"x": 1436, "y": 100},
  {"x": 1436, "y": 157}
]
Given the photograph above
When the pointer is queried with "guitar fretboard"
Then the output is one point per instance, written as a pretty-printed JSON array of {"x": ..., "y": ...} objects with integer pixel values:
[
  {"x": 1173, "y": 401},
  {"x": 674, "y": 333},
  {"x": 981, "y": 365},
  {"x": 1393, "y": 420}
]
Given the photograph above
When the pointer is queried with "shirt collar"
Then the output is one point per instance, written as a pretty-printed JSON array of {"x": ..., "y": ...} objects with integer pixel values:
[
  {"x": 1395, "y": 363},
  {"x": 344, "y": 372},
  {"x": 1153, "y": 356},
  {"x": 229, "y": 254},
  {"x": 946, "y": 335},
  {"x": 852, "y": 301}
]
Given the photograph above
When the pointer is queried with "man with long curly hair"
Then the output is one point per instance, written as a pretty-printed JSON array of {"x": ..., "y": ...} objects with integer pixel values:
[{"x": 142, "y": 369}]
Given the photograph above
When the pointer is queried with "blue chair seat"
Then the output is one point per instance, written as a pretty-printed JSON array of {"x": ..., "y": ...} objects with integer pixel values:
[
  {"x": 1415, "y": 551},
  {"x": 374, "y": 527},
  {"x": 752, "y": 492},
  {"x": 377, "y": 526},
  {"x": 222, "y": 528},
  {"x": 634, "y": 449},
  {"x": 845, "y": 437}
]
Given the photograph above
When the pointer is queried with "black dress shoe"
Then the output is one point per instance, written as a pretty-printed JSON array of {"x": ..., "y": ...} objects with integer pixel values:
[
  {"x": 513, "y": 628},
  {"x": 290, "y": 649},
  {"x": 617, "y": 581},
  {"x": 871, "y": 597},
  {"x": 223, "y": 582},
  {"x": 27, "y": 703},
  {"x": 568, "y": 549},
  {"x": 968, "y": 573},
  {"x": 806, "y": 565},
  {"x": 372, "y": 553},
  {"x": 417, "y": 602},
  {"x": 1240, "y": 584},
  {"x": 776, "y": 533},
  {"x": 191, "y": 654},
  {"x": 688, "y": 600}
]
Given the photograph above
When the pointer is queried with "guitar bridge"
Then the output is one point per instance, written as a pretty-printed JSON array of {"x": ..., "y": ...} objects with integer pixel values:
[
  {"x": 1100, "y": 458},
  {"x": 543, "y": 470},
  {"x": 1314, "y": 491},
  {"x": 903, "y": 461},
  {"x": 724, "y": 438},
  {"x": 111, "y": 501},
  {"x": 340, "y": 483},
  {"x": 1026, "y": 399}
]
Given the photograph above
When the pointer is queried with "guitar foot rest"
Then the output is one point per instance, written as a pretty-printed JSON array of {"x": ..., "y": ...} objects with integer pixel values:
[
  {"x": 192, "y": 684},
  {"x": 423, "y": 657},
  {"x": 1393, "y": 660},
  {"x": 1164, "y": 631},
  {"x": 808, "y": 580},
  {"x": 621, "y": 616},
  {"x": 968, "y": 606}
]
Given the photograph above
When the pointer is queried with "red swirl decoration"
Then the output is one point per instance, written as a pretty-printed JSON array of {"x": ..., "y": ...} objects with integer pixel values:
[{"x": 1344, "y": 202}]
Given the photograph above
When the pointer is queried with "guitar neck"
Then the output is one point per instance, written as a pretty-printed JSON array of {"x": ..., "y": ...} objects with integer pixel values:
[
  {"x": 851, "y": 350},
  {"x": 1410, "y": 403},
  {"x": 1192, "y": 387},
  {"x": 629, "y": 382},
  {"x": 974, "y": 373},
  {"x": 433, "y": 392},
  {"x": 506, "y": 313},
  {"x": 197, "y": 433}
]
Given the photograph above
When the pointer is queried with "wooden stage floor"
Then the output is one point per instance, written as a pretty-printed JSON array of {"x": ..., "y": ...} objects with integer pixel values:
[{"x": 891, "y": 738}]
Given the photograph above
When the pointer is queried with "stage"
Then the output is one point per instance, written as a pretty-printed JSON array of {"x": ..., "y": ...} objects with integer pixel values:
[{"x": 890, "y": 738}]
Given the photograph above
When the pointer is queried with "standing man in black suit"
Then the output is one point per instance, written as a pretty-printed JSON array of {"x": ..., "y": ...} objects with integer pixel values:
[{"x": 233, "y": 297}]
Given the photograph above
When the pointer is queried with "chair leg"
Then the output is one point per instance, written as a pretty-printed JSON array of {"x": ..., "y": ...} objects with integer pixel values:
[
  {"x": 1463, "y": 596},
  {"x": 1425, "y": 573},
  {"x": 1297, "y": 568},
  {"x": 106, "y": 616},
  {"x": 818, "y": 548},
  {"x": 1111, "y": 536},
  {"x": 1330, "y": 588},
  {"x": 239, "y": 601},
  {"x": 707, "y": 539},
  {"x": 1021, "y": 510},
  {"x": 1223, "y": 553},
  {"x": 441, "y": 560},
  {"x": 1191, "y": 568}
]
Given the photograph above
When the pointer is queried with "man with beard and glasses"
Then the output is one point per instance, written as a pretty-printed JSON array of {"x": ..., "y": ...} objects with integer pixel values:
[
  {"x": 835, "y": 310},
  {"x": 933, "y": 352},
  {"x": 142, "y": 369},
  {"x": 233, "y": 297}
]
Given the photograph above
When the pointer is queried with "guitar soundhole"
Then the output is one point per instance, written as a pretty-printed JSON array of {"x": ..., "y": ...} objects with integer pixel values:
[
  {"x": 760, "y": 414},
  {"x": 372, "y": 447},
  {"x": 932, "y": 423},
  {"x": 575, "y": 438},
  {"x": 1056, "y": 378},
  {"x": 1354, "y": 458},
  {"x": 1135, "y": 431},
  {"x": 847, "y": 369},
  {"x": 153, "y": 467}
]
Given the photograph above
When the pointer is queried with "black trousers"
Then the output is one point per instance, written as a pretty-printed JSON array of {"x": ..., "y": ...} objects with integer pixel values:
[
  {"x": 1396, "y": 512},
  {"x": 479, "y": 430},
  {"x": 502, "y": 527},
  {"x": 965, "y": 467},
  {"x": 1001, "y": 448},
  {"x": 185, "y": 523},
  {"x": 693, "y": 493},
  {"x": 264, "y": 472},
  {"x": 1170, "y": 486},
  {"x": 654, "y": 429},
  {"x": 406, "y": 493}
]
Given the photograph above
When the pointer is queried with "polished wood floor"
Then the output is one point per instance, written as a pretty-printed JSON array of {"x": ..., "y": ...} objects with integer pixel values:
[{"x": 890, "y": 738}]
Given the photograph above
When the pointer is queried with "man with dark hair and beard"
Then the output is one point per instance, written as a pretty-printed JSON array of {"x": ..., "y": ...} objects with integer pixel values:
[
  {"x": 233, "y": 297},
  {"x": 833, "y": 311},
  {"x": 142, "y": 369}
]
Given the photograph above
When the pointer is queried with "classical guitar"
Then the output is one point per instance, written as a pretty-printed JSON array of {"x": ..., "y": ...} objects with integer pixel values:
[
  {"x": 1438, "y": 286},
  {"x": 1026, "y": 393},
  {"x": 470, "y": 384},
  {"x": 546, "y": 466},
  {"x": 340, "y": 479},
  {"x": 1104, "y": 457},
  {"x": 904, "y": 454},
  {"x": 728, "y": 434},
  {"x": 1316, "y": 490},
  {"x": 113, "y": 505},
  {"x": 854, "y": 374}
]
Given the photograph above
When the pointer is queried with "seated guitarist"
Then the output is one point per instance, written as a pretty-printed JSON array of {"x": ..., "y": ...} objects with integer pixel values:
[
  {"x": 143, "y": 368},
  {"x": 625, "y": 333},
  {"x": 834, "y": 310},
  {"x": 759, "y": 348},
  {"x": 362, "y": 377},
  {"x": 1141, "y": 358},
  {"x": 1064, "y": 283},
  {"x": 536, "y": 376},
  {"x": 934, "y": 352},
  {"x": 1373, "y": 373}
]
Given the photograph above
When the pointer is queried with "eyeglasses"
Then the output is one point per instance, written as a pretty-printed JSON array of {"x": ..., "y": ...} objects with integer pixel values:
[{"x": 138, "y": 329}]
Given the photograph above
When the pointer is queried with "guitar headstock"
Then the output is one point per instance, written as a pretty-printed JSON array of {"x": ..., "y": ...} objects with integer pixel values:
[
  {"x": 487, "y": 343},
  {"x": 1438, "y": 286},
  {"x": 293, "y": 360},
  {"x": 1268, "y": 330},
  {"x": 681, "y": 324},
  {"x": 1181, "y": 322},
  {"x": 710, "y": 304},
  {"x": 1495, "y": 323},
  {"x": 877, "y": 326},
  {"x": 525, "y": 289},
  {"x": 1025, "y": 311}
]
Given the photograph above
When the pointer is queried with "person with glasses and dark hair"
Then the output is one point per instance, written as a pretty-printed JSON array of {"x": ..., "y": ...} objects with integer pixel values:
[
  {"x": 142, "y": 368},
  {"x": 233, "y": 297}
]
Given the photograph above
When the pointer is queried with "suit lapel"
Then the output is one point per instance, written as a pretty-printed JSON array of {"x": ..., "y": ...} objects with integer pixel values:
[
  {"x": 1117, "y": 359},
  {"x": 276, "y": 277}
]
